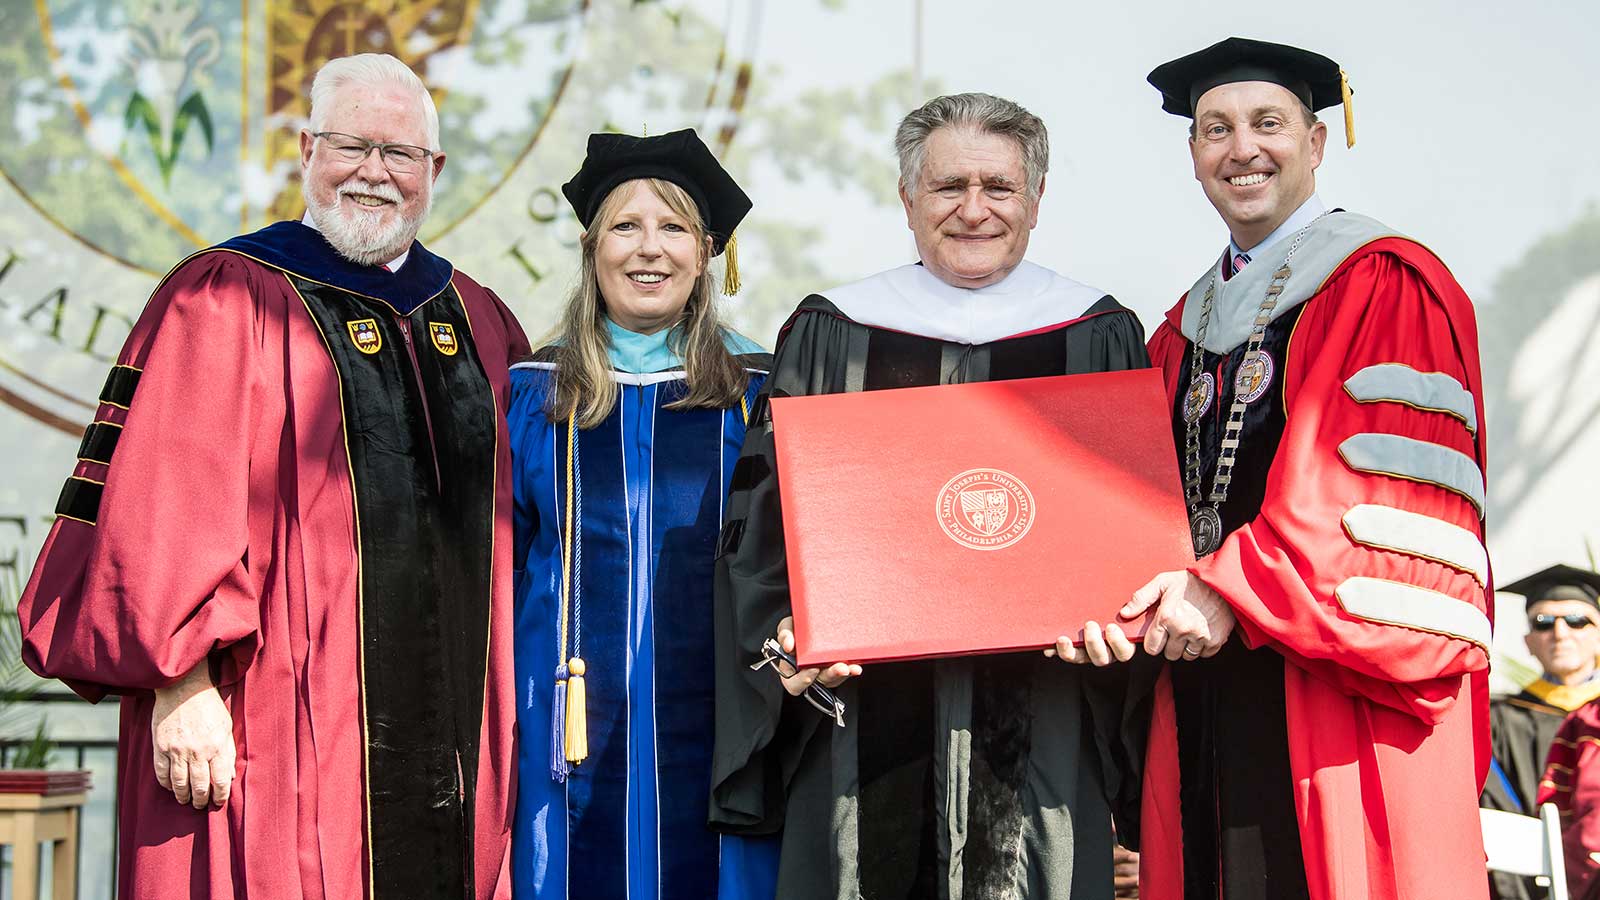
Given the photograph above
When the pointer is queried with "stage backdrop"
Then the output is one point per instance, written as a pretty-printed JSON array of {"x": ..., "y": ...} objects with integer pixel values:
[{"x": 133, "y": 133}]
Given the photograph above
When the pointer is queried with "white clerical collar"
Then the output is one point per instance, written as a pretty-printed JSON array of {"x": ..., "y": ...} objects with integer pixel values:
[
  {"x": 1300, "y": 218},
  {"x": 913, "y": 300},
  {"x": 392, "y": 265}
]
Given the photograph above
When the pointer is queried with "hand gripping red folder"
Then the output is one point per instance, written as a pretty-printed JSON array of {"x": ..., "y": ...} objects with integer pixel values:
[{"x": 974, "y": 518}]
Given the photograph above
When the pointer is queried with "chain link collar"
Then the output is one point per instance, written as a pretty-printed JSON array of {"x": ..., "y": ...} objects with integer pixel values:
[{"x": 1205, "y": 522}]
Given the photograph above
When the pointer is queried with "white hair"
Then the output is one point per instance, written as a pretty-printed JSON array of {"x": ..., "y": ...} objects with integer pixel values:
[
  {"x": 370, "y": 70},
  {"x": 985, "y": 113}
]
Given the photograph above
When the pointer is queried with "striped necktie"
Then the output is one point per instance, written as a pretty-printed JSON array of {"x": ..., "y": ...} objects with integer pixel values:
[{"x": 1240, "y": 261}]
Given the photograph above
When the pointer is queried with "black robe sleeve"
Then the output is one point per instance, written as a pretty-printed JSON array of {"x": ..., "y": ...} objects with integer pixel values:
[
  {"x": 752, "y": 762},
  {"x": 1118, "y": 697}
]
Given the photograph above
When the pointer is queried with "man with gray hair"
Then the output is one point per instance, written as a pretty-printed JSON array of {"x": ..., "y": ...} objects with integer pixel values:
[
  {"x": 285, "y": 543},
  {"x": 973, "y": 777}
]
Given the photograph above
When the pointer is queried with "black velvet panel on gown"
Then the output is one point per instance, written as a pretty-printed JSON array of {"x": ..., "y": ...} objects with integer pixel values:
[
  {"x": 420, "y": 426},
  {"x": 1241, "y": 838}
]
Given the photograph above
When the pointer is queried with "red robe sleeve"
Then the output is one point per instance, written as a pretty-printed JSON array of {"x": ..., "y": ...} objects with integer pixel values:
[
  {"x": 1572, "y": 782},
  {"x": 150, "y": 578},
  {"x": 1365, "y": 566}
]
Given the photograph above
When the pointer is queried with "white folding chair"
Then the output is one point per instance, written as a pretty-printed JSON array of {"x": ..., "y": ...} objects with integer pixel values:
[{"x": 1523, "y": 845}]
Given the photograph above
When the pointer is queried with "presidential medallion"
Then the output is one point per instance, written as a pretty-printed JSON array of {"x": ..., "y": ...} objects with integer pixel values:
[
  {"x": 1205, "y": 527},
  {"x": 1198, "y": 399},
  {"x": 1254, "y": 376}
]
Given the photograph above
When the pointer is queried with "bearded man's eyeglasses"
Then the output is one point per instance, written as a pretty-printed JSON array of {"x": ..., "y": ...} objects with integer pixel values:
[
  {"x": 401, "y": 159},
  {"x": 1547, "y": 621}
]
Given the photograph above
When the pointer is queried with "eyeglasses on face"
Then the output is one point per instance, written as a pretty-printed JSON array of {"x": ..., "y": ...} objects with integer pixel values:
[
  {"x": 401, "y": 159},
  {"x": 826, "y": 702},
  {"x": 1547, "y": 621}
]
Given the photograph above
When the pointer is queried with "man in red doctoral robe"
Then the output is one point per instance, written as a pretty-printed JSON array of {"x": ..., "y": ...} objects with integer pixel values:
[
  {"x": 1327, "y": 406},
  {"x": 1572, "y": 782},
  {"x": 284, "y": 544}
]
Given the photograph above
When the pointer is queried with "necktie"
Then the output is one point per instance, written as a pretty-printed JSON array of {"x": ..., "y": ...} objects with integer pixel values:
[{"x": 1240, "y": 261}]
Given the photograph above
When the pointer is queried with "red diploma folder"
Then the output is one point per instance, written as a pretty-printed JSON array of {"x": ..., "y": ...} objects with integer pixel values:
[{"x": 974, "y": 518}]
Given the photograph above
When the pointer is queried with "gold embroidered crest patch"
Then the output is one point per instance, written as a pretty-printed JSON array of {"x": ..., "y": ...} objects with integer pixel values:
[
  {"x": 444, "y": 337},
  {"x": 364, "y": 332}
]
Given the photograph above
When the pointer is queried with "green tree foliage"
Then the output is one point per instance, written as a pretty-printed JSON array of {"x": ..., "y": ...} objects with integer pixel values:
[{"x": 1524, "y": 296}]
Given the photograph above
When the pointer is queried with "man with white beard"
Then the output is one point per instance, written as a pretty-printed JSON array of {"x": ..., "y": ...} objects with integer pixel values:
[{"x": 285, "y": 543}]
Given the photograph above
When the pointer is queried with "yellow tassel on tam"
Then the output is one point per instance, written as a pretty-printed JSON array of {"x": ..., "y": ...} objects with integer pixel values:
[
  {"x": 577, "y": 736},
  {"x": 1349, "y": 110},
  {"x": 730, "y": 280}
]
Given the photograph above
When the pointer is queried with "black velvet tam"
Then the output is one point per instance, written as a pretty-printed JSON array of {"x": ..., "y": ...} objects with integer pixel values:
[
  {"x": 679, "y": 157},
  {"x": 1557, "y": 583},
  {"x": 1312, "y": 77}
]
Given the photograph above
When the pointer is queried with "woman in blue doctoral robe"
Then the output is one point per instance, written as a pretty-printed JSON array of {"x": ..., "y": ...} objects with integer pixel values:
[{"x": 624, "y": 433}]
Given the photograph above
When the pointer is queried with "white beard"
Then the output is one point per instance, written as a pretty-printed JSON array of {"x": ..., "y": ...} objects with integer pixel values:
[{"x": 360, "y": 236}]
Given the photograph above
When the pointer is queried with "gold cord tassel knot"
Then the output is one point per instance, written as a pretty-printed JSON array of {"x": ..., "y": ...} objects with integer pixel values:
[{"x": 577, "y": 730}]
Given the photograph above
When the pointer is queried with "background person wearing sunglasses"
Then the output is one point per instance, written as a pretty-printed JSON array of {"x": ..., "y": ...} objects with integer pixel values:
[{"x": 1563, "y": 636}]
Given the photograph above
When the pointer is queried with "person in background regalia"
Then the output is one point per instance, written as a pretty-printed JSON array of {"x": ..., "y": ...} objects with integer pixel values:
[
  {"x": 1572, "y": 782},
  {"x": 981, "y": 776},
  {"x": 624, "y": 433},
  {"x": 1564, "y": 636},
  {"x": 285, "y": 544},
  {"x": 1327, "y": 407}
]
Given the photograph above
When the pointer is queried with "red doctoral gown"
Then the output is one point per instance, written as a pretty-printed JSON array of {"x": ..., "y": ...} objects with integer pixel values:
[
  {"x": 1385, "y": 677},
  {"x": 1572, "y": 782},
  {"x": 227, "y": 526}
]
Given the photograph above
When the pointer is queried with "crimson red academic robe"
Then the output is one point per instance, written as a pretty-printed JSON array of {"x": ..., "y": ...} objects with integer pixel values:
[
  {"x": 1386, "y": 717},
  {"x": 227, "y": 526},
  {"x": 1572, "y": 782}
]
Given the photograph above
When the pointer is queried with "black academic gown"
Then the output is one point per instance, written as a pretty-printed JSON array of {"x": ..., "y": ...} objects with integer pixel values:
[{"x": 978, "y": 777}]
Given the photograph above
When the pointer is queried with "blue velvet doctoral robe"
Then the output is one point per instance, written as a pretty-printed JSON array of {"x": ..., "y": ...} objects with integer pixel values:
[{"x": 648, "y": 493}]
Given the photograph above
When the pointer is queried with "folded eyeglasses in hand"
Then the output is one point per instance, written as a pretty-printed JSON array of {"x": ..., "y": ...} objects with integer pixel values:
[{"x": 826, "y": 701}]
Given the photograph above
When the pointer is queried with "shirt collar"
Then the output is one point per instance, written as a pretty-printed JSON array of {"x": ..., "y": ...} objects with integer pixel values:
[
  {"x": 392, "y": 265},
  {"x": 1300, "y": 218}
]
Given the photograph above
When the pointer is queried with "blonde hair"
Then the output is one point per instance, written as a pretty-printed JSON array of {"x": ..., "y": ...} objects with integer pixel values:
[{"x": 584, "y": 387}]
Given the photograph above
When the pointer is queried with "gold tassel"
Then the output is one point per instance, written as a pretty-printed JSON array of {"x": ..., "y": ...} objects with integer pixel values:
[
  {"x": 730, "y": 280},
  {"x": 576, "y": 713},
  {"x": 1349, "y": 110},
  {"x": 577, "y": 737}
]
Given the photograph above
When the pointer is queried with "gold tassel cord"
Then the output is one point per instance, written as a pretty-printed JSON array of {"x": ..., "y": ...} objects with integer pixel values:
[
  {"x": 574, "y": 725},
  {"x": 577, "y": 730},
  {"x": 1349, "y": 110},
  {"x": 566, "y": 549},
  {"x": 730, "y": 280}
]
